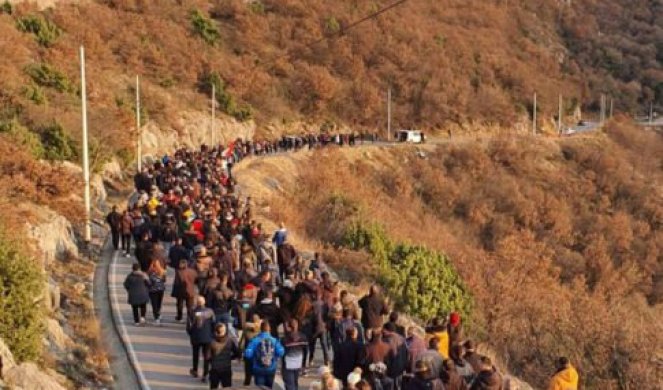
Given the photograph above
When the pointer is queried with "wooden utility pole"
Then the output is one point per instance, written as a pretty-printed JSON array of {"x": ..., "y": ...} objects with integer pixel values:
[
  {"x": 213, "y": 115},
  {"x": 559, "y": 114},
  {"x": 534, "y": 116},
  {"x": 139, "y": 142},
  {"x": 86, "y": 163},
  {"x": 389, "y": 114}
]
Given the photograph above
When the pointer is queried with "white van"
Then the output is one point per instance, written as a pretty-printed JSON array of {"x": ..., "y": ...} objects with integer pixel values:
[{"x": 411, "y": 136}]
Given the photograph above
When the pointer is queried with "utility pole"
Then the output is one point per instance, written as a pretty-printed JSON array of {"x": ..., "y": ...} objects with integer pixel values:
[
  {"x": 139, "y": 151},
  {"x": 611, "y": 107},
  {"x": 534, "y": 116},
  {"x": 213, "y": 114},
  {"x": 389, "y": 114},
  {"x": 559, "y": 114},
  {"x": 86, "y": 165},
  {"x": 602, "y": 113}
]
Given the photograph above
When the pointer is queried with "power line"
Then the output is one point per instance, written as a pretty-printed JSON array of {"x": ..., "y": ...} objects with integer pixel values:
[{"x": 342, "y": 31}]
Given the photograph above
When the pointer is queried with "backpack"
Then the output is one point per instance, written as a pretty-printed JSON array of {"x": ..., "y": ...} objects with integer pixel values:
[{"x": 265, "y": 353}]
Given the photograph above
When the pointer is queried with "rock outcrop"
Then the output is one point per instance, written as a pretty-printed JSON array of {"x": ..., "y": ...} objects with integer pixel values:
[
  {"x": 25, "y": 376},
  {"x": 191, "y": 130},
  {"x": 52, "y": 233}
]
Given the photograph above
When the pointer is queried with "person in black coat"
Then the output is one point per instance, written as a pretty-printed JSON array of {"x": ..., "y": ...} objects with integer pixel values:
[
  {"x": 268, "y": 311},
  {"x": 176, "y": 253},
  {"x": 200, "y": 328},
  {"x": 223, "y": 349},
  {"x": 137, "y": 286},
  {"x": 373, "y": 307},
  {"x": 114, "y": 220},
  {"x": 144, "y": 252},
  {"x": 348, "y": 355}
]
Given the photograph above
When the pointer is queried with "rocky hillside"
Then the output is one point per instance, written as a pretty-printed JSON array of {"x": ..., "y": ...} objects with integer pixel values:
[
  {"x": 292, "y": 65},
  {"x": 557, "y": 241}
]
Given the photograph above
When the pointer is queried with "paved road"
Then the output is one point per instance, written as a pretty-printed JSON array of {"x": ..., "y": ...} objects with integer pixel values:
[{"x": 161, "y": 355}]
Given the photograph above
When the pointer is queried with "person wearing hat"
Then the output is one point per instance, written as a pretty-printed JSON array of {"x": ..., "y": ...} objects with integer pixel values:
[
  {"x": 454, "y": 329},
  {"x": 566, "y": 377},
  {"x": 423, "y": 379}
]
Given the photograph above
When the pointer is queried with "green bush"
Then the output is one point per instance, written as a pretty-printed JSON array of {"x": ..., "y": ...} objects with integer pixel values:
[
  {"x": 44, "y": 30},
  {"x": 422, "y": 282},
  {"x": 204, "y": 27},
  {"x": 332, "y": 25},
  {"x": 6, "y": 8},
  {"x": 34, "y": 93},
  {"x": 49, "y": 77},
  {"x": 226, "y": 101},
  {"x": 57, "y": 144},
  {"x": 22, "y": 136},
  {"x": 257, "y": 7},
  {"x": 21, "y": 282}
]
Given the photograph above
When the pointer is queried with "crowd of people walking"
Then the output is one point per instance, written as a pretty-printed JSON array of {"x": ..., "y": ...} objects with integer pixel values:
[{"x": 249, "y": 295}]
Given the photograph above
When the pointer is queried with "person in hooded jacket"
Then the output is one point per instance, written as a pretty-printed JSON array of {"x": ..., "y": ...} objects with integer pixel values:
[
  {"x": 222, "y": 351},
  {"x": 565, "y": 378},
  {"x": 137, "y": 285},
  {"x": 488, "y": 378},
  {"x": 200, "y": 327}
]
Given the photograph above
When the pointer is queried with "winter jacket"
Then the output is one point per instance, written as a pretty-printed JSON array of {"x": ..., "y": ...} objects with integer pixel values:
[
  {"x": 443, "y": 345},
  {"x": 177, "y": 253},
  {"x": 137, "y": 285},
  {"x": 200, "y": 326},
  {"x": 252, "y": 353},
  {"x": 222, "y": 353},
  {"x": 183, "y": 285},
  {"x": 417, "y": 383},
  {"x": 488, "y": 380},
  {"x": 373, "y": 307},
  {"x": 376, "y": 351},
  {"x": 415, "y": 348},
  {"x": 348, "y": 355},
  {"x": 157, "y": 282},
  {"x": 566, "y": 379},
  {"x": 114, "y": 219},
  {"x": 397, "y": 360}
]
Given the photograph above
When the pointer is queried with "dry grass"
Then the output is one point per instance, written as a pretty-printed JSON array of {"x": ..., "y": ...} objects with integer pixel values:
[{"x": 556, "y": 239}]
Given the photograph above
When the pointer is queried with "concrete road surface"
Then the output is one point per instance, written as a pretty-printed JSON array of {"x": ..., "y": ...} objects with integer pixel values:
[{"x": 161, "y": 355}]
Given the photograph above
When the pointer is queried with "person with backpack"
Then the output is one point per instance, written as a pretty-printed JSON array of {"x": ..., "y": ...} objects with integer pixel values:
[
  {"x": 157, "y": 277},
  {"x": 199, "y": 326},
  {"x": 263, "y": 352},
  {"x": 223, "y": 349},
  {"x": 126, "y": 228}
]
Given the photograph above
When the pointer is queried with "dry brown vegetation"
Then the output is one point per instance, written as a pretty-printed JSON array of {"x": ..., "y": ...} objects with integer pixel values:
[
  {"x": 561, "y": 242},
  {"x": 449, "y": 61}
]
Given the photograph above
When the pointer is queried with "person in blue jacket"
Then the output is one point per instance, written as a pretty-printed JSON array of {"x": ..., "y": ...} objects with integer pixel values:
[{"x": 263, "y": 352}]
